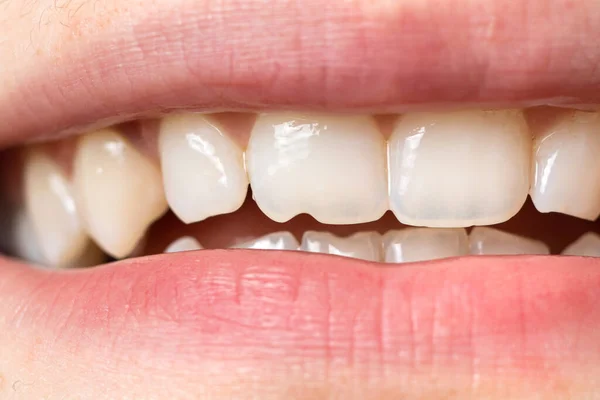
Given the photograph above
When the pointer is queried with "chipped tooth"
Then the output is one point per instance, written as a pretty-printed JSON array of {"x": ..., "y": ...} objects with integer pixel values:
[
  {"x": 119, "y": 191},
  {"x": 490, "y": 241},
  {"x": 272, "y": 241},
  {"x": 566, "y": 166},
  {"x": 185, "y": 243},
  {"x": 203, "y": 169},
  {"x": 587, "y": 245},
  {"x": 459, "y": 169},
  {"x": 362, "y": 245},
  {"x": 331, "y": 167},
  {"x": 52, "y": 210},
  {"x": 421, "y": 244}
]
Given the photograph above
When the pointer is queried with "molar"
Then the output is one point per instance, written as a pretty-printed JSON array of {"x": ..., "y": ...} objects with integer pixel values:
[
  {"x": 272, "y": 241},
  {"x": 52, "y": 210}
]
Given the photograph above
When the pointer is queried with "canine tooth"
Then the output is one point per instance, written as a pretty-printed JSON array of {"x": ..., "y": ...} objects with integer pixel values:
[
  {"x": 459, "y": 169},
  {"x": 420, "y": 244},
  {"x": 587, "y": 245},
  {"x": 53, "y": 212},
  {"x": 331, "y": 167},
  {"x": 185, "y": 243},
  {"x": 203, "y": 170},
  {"x": 566, "y": 166},
  {"x": 273, "y": 241},
  {"x": 362, "y": 245},
  {"x": 489, "y": 241},
  {"x": 119, "y": 191}
]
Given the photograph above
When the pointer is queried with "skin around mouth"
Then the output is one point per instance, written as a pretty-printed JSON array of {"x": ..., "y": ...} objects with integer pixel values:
[{"x": 273, "y": 325}]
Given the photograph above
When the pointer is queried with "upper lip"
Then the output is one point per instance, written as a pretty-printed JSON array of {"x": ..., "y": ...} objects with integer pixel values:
[{"x": 198, "y": 55}]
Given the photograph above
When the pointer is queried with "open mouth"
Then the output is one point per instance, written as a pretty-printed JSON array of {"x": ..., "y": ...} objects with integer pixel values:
[{"x": 375, "y": 223}]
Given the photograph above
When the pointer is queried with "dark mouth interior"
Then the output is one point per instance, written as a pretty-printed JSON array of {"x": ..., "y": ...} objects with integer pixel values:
[{"x": 223, "y": 231}]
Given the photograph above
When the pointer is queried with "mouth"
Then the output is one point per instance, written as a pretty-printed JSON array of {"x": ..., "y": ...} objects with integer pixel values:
[{"x": 440, "y": 206}]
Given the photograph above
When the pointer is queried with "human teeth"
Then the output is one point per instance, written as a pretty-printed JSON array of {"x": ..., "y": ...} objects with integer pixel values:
[
  {"x": 483, "y": 240},
  {"x": 459, "y": 169},
  {"x": 203, "y": 170},
  {"x": 23, "y": 241},
  {"x": 52, "y": 210},
  {"x": 185, "y": 243},
  {"x": 420, "y": 244},
  {"x": 362, "y": 245},
  {"x": 331, "y": 167},
  {"x": 587, "y": 245},
  {"x": 566, "y": 166},
  {"x": 119, "y": 191},
  {"x": 273, "y": 241}
]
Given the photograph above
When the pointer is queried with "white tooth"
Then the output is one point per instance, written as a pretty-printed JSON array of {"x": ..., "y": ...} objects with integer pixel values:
[
  {"x": 119, "y": 191},
  {"x": 331, "y": 167},
  {"x": 203, "y": 169},
  {"x": 273, "y": 241},
  {"x": 483, "y": 240},
  {"x": 421, "y": 244},
  {"x": 52, "y": 210},
  {"x": 587, "y": 245},
  {"x": 362, "y": 245},
  {"x": 459, "y": 169},
  {"x": 185, "y": 243},
  {"x": 566, "y": 166},
  {"x": 24, "y": 243}
]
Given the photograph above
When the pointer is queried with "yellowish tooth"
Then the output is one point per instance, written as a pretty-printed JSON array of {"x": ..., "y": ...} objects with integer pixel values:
[
  {"x": 53, "y": 212},
  {"x": 362, "y": 245},
  {"x": 119, "y": 191},
  {"x": 421, "y": 244},
  {"x": 185, "y": 243},
  {"x": 566, "y": 166},
  {"x": 489, "y": 241},
  {"x": 458, "y": 169},
  {"x": 203, "y": 169},
  {"x": 331, "y": 167},
  {"x": 587, "y": 245}
]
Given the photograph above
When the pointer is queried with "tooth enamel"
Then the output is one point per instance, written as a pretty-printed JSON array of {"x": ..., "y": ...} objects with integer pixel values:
[
  {"x": 273, "y": 241},
  {"x": 459, "y": 169},
  {"x": 489, "y": 241},
  {"x": 185, "y": 243},
  {"x": 203, "y": 170},
  {"x": 23, "y": 241},
  {"x": 566, "y": 166},
  {"x": 587, "y": 245},
  {"x": 52, "y": 211},
  {"x": 362, "y": 245},
  {"x": 331, "y": 167},
  {"x": 119, "y": 191},
  {"x": 421, "y": 244}
]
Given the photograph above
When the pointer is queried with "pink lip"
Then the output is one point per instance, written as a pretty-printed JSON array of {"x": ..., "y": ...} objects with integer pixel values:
[
  {"x": 301, "y": 54},
  {"x": 510, "y": 315}
]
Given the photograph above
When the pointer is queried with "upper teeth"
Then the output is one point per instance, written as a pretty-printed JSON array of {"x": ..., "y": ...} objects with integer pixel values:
[{"x": 445, "y": 169}]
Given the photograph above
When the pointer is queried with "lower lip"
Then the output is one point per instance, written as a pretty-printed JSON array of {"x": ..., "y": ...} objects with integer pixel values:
[{"x": 522, "y": 313}]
